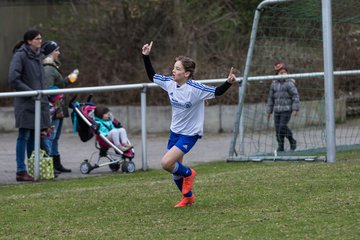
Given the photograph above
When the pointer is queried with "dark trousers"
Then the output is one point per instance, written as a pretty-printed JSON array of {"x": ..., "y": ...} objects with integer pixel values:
[{"x": 281, "y": 120}]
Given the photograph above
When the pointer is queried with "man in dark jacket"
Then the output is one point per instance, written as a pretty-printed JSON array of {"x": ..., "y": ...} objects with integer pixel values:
[
  {"x": 283, "y": 101},
  {"x": 26, "y": 73}
]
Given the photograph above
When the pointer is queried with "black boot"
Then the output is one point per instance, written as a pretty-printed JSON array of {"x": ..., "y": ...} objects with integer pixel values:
[
  {"x": 58, "y": 166},
  {"x": 280, "y": 141},
  {"x": 292, "y": 142}
]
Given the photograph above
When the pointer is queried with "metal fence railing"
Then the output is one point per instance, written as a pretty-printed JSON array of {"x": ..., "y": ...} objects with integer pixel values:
[{"x": 142, "y": 87}]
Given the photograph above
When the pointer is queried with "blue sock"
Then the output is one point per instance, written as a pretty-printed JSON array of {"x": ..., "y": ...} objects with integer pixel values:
[
  {"x": 179, "y": 181},
  {"x": 181, "y": 170},
  {"x": 189, "y": 194}
]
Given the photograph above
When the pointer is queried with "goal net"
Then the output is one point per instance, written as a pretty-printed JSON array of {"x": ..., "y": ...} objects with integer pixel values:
[{"x": 291, "y": 32}]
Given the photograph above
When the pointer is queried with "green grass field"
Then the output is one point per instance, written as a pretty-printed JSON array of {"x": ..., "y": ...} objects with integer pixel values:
[{"x": 234, "y": 201}]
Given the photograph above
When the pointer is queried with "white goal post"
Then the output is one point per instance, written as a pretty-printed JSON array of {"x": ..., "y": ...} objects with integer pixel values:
[{"x": 238, "y": 146}]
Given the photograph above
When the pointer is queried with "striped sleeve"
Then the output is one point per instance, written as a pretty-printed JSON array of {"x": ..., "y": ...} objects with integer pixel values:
[
  {"x": 162, "y": 81},
  {"x": 203, "y": 91}
]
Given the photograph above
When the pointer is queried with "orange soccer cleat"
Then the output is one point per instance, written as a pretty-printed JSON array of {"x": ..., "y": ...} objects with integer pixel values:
[
  {"x": 185, "y": 201},
  {"x": 188, "y": 182}
]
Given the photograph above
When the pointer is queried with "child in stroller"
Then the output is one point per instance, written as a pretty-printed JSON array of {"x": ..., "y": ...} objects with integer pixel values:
[
  {"x": 87, "y": 124},
  {"x": 116, "y": 134}
]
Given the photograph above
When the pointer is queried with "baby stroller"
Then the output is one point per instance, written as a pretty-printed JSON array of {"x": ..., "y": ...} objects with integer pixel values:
[{"x": 83, "y": 121}]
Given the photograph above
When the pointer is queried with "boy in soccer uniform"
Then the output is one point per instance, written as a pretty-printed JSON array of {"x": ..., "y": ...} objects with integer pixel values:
[{"x": 187, "y": 100}]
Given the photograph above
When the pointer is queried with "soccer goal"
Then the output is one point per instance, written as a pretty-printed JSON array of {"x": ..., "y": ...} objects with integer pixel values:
[{"x": 292, "y": 32}]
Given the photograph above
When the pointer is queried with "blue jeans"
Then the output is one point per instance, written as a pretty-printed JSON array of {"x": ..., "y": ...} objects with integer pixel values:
[
  {"x": 55, "y": 136},
  {"x": 25, "y": 142}
]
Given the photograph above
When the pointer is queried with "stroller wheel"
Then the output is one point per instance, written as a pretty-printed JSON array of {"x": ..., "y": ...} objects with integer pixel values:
[
  {"x": 128, "y": 167},
  {"x": 114, "y": 167},
  {"x": 85, "y": 167}
]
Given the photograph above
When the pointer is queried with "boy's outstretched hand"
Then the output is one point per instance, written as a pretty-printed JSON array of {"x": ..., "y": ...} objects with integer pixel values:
[
  {"x": 231, "y": 78},
  {"x": 146, "y": 49}
]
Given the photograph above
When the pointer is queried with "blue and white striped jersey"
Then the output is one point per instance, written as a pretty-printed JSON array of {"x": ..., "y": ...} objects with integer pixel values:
[{"x": 187, "y": 101}]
